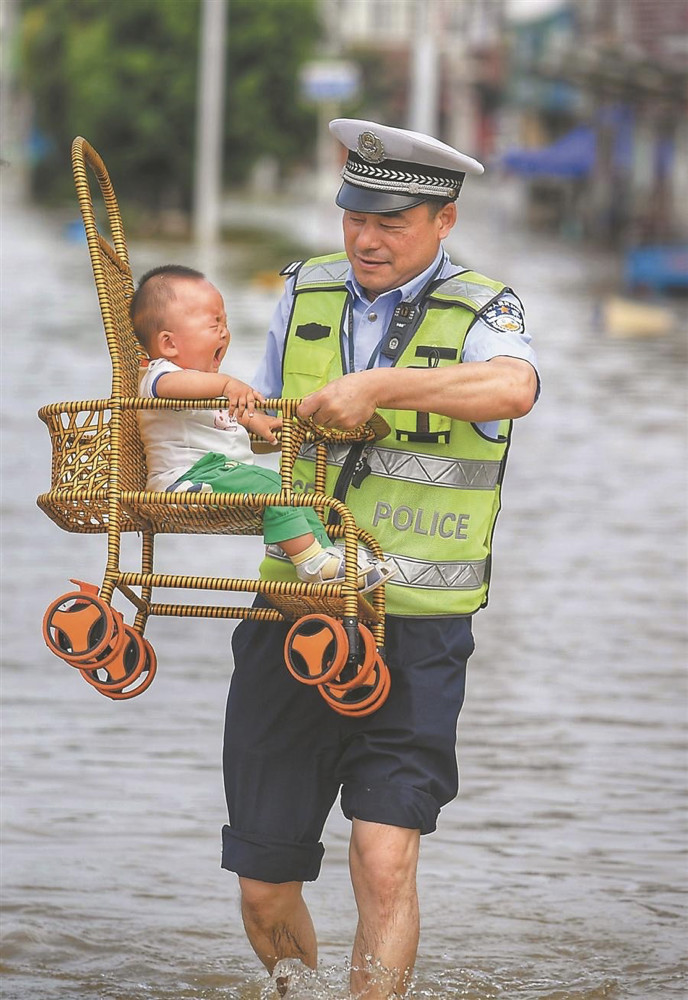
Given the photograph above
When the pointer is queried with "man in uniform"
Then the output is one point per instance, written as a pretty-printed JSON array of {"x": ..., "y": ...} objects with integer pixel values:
[{"x": 392, "y": 325}]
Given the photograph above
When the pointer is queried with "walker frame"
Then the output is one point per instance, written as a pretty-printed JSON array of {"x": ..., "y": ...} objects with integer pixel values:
[{"x": 98, "y": 486}]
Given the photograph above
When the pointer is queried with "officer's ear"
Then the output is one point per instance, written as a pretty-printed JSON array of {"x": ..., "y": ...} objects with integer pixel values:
[{"x": 446, "y": 219}]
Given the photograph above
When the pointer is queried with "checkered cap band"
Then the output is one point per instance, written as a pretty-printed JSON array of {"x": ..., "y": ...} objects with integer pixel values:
[{"x": 400, "y": 177}]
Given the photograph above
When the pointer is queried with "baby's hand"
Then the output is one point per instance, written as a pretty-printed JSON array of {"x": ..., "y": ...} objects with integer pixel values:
[
  {"x": 241, "y": 397},
  {"x": 263, "y": 424}
]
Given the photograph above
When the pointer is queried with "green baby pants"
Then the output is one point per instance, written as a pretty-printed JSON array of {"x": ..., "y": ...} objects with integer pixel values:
[{"x": 224, "y": 475}]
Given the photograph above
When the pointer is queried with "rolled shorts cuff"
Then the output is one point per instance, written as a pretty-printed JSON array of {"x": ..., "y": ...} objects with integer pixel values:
[
  {"x": 266, "y": 860},
  {"x": 393, "y": 805}
]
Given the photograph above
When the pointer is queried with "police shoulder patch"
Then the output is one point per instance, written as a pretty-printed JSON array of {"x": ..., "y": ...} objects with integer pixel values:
[
  {"x": 291, "y": 268},
  {"x": 504, "y": 317}
]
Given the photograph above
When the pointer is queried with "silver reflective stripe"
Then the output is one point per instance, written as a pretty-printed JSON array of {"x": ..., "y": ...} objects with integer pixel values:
[
  {"x": 322, "y": 273},
  {"x": 459, "y": 474},
  {"x": 336, "y": 453},
  {"x": 477, "y": 293},
  {"x": 437, "y": 576}
]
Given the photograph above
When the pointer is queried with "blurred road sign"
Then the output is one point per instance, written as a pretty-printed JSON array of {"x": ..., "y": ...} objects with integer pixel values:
[{"x": 329, "y": 80}]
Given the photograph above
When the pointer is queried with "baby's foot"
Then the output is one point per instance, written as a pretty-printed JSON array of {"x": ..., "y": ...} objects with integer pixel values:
[
  {"x": 327, "y": 566},
  {"x": 375, "y": 571}
]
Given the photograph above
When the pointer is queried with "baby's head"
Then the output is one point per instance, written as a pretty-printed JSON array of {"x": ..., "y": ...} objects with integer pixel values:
[{"x": 177, "y": 314}]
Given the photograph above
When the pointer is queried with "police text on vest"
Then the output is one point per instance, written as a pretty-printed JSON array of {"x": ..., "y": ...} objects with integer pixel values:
[{"x": 448, "y": 525}]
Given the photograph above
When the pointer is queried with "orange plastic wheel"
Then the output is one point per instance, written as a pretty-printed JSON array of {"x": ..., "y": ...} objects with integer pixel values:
[
  {"x": 138, "y": 664},
  {"x": 118, "y": 667},
  {"x": 363, "y": 700},
  {"x": 114, "y": 648},
  {"x": 377, "y": 695},
  {"x": 316, "y": 649},
  {"x": 79, "y": 626},
  {"x": 357, "y": 675}
]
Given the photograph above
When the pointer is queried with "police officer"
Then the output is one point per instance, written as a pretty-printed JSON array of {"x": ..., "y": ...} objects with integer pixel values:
[{"x": 391, "y": 325}]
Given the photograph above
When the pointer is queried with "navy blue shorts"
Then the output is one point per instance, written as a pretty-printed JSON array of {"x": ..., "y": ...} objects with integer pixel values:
[{"x": 287, "y": 754}]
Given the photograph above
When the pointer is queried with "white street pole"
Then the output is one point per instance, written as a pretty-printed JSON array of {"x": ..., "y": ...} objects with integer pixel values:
[
  {"x": 327, "y": 180},
  {"x": 209, "y": 121},
  {"x": 425, "y": 76}
]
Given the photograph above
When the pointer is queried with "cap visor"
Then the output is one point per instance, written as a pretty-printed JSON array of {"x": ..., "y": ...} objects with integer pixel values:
[{"x": 356, "y": 199}]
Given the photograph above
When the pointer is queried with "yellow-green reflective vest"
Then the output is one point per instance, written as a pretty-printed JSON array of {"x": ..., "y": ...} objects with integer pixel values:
[{"x": 432, "y": 492}]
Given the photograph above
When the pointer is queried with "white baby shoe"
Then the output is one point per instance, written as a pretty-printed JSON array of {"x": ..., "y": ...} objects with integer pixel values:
[{"x": 327, "y": 566}]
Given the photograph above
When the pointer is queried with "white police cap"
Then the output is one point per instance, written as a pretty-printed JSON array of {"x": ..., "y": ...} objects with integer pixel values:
[{"x": 391, "y": 169}]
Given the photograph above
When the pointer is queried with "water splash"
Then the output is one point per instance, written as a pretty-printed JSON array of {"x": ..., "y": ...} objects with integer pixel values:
[{"x": 305, "y": 983}]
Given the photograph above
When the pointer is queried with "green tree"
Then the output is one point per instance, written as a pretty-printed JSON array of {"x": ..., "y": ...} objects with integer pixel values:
[
  {"x": 123, "y": 74},
  {"x": 268, "y": 42}
]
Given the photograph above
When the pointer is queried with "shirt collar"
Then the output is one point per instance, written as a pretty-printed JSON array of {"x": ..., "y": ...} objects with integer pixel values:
[{"x": 407, "y": 291}]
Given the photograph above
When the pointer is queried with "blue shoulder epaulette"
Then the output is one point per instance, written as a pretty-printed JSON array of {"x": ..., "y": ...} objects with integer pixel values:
[{"x": 291, "y": 268}]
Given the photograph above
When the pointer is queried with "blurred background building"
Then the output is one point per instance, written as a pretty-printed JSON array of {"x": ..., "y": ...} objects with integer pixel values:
[
  {"x": 582, "y": 101},
  {"x": 586, "y": 99}
]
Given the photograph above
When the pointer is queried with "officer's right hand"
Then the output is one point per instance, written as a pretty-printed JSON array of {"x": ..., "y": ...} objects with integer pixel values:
[{"x": 345, "y": 402}]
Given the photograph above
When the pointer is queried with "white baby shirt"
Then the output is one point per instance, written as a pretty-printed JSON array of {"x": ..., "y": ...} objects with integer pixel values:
[{"x": 176, "y": 439}]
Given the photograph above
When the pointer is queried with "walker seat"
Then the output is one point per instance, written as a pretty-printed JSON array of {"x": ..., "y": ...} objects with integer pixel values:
[{"x": 336, "y": 641}]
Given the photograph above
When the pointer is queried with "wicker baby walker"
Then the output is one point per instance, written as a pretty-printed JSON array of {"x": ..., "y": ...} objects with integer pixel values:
[{"x": 336, "y": 641}]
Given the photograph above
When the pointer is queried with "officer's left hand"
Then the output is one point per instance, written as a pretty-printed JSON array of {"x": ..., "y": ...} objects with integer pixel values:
[{"x": 345, "y": 403}]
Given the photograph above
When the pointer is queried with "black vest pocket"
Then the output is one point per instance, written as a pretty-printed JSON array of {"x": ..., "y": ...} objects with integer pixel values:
[
  {"x": 313, "y": 331},
  {"x": 428, "y": 428}
]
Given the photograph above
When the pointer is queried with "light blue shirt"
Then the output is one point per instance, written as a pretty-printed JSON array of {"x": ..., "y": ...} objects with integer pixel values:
[{"x": 484, "y": 341}]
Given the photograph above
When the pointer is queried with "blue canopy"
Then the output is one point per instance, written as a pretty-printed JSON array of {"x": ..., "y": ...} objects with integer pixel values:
[{"x": 571, "y": 156}]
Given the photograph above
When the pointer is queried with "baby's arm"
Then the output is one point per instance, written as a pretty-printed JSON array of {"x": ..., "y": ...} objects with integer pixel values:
[{"x": 188, "y": 384}]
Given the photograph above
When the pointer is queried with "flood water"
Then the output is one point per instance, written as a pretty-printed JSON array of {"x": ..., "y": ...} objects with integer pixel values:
[{"x": 559, "y": 873}]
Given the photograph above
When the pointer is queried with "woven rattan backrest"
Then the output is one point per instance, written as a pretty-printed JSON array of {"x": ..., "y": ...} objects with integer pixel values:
[{"x": 115, "y": 287}]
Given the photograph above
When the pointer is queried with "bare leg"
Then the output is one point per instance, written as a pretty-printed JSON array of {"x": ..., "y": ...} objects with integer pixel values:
[
  {"x": 277, "y": 922},
  {"x": 383, "y": 862},
  {"x": 294, "y": 546}
]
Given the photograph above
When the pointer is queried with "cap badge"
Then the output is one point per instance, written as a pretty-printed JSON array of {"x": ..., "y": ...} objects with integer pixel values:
[{"x": 370, "y": 147}]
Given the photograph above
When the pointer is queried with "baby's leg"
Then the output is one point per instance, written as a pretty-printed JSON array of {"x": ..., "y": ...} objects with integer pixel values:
[{"x": 293, "y": 528}]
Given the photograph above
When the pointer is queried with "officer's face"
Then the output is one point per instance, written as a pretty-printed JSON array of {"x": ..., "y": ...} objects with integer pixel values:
[{"x": 386, "y": 251}]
